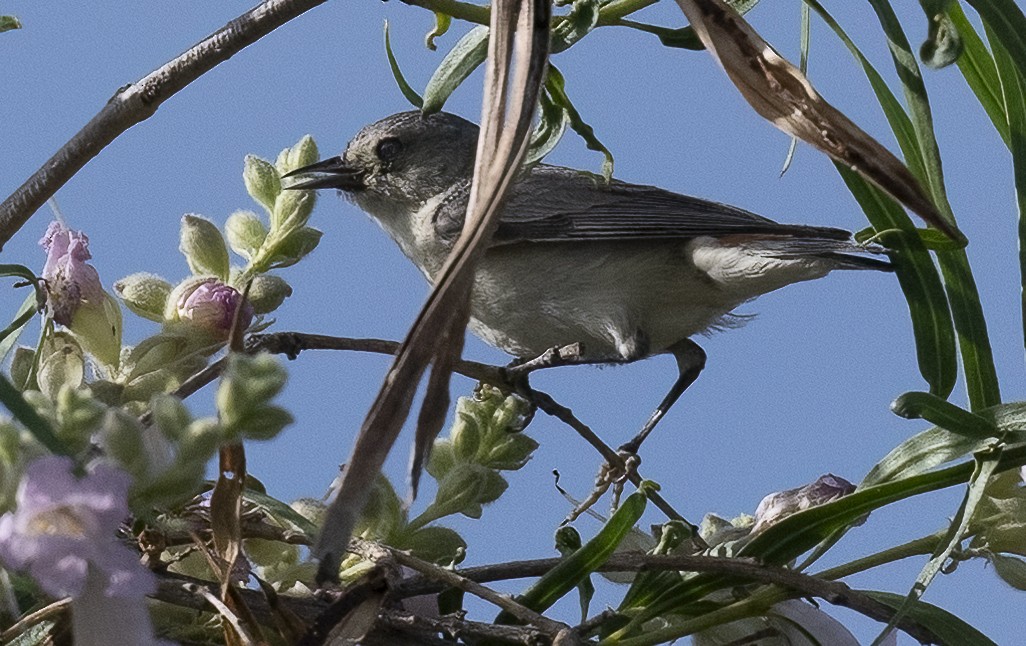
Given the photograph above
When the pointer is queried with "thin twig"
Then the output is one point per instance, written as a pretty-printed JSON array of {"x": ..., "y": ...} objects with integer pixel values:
[
  {"x": 456, "y": 627},
  {"x": 834, "y": 592},
  {"x": 222, "y": 610},
  {"x": 452, "y": 579},
  {"x": 138, "y": 101},
  {"x": 46, "y": 612},
  {"x": 291, "y": 344}
]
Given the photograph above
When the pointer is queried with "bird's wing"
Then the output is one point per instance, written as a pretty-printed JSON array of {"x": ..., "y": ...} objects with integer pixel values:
[{"x": 554, "y": 204}]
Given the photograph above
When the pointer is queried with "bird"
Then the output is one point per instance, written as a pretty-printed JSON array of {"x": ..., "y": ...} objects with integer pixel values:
[{"x": 625, "y": 271}]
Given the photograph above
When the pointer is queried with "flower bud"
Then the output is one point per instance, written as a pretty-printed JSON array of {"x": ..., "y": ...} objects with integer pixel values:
[
  {"x": 267, "y": 293},
  {"x": 262, "y": 181},
  {"x": 246, "y": 232},
  {"x": 777, "y": 506},
  {"x": 210, "y": 306},
  {"x": 144, "y": 295},
  {"x": 203, "y": 246},
  {"x": 61, "y": 362},
  {"x": 302, "y": 154}
]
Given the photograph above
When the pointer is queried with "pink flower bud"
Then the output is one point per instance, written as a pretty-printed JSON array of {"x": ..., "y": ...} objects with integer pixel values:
[{"x": 211, "y": 305}]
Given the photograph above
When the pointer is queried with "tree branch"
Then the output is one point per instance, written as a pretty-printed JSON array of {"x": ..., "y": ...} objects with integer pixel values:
[
  {"x": 138, "y": 101},
  {"x": 292, "y": 343}
]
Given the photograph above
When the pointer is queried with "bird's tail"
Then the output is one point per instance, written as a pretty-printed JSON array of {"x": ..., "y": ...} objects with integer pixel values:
[{"x": 845, "y": 254}]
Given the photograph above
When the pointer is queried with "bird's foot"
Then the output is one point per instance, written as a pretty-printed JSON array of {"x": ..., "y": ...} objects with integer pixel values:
[{"x": 610, "y": 477}]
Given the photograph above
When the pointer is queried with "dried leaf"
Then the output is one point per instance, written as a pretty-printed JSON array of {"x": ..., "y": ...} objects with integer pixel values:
[
  {"x": 780, "y": 93},
  {"x": 502, "y": 145}
]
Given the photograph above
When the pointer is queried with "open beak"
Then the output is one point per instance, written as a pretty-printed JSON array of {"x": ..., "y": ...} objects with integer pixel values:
[{"x": 329, "y": 173}]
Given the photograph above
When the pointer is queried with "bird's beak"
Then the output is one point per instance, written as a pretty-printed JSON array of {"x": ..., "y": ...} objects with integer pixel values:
[{"x": 329, "y": 173}]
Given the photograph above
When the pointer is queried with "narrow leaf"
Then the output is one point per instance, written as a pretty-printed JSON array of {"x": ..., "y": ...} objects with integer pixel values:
[
  {"x": 1008, "y": 24},
  {"x": 800, "y": 532},
  {"x": 29, "y": 418},
  {"x": 404, "y": 87},
  {"x": 950, "y": 628},
  {"x": 937, "y": 446},
  {"x": 943, "y": 414},
  {"x": 986, "y": 463},
  {"x": 464, "y": 57},
  {"x": 442, "y": 23},
  {"x": 927, "y": 302},
  {"x": 555, "y": 83},
  {"x": 966, "y": 310},
  {"x": 572, "y": 570},
  {"x": 979, "y": 70},
  {"x": 1014, "y": 101}
]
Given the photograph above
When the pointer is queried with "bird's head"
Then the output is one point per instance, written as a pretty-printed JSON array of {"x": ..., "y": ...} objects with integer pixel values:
[{"x": 398, "y": 163}]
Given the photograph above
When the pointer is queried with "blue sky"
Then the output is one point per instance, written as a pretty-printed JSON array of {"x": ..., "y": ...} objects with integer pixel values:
[{"x": 801, "y": 390}]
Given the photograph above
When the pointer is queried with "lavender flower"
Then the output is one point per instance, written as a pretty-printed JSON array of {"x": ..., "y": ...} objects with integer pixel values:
[
  {"x": 777, "y": 506},
  {"x": 70, "y": 279},
  {"x": 64, "y": 529},
  {"x": 76, "y": 298},
  {"x": 210, "y": 305}
]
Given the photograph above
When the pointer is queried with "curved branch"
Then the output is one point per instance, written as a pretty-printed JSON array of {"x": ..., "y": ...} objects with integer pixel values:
[{"x": 139, "y": 101}]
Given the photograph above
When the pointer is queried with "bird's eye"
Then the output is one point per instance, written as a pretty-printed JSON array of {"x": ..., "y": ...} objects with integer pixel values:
[{"x": 388, "y": 149}]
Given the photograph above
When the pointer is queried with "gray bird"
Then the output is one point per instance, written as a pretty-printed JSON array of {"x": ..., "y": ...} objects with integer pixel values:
[{"x": 627, "y": 271}]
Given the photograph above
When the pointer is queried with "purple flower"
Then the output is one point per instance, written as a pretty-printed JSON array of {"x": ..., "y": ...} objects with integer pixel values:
[
  {"x": 76, "y": 298},
  {"x": 211, "y": 305},
  {"x": 64, "y": 528},
  {"x": 777, "y": 506},
  {"x": 70, "y": 280}
]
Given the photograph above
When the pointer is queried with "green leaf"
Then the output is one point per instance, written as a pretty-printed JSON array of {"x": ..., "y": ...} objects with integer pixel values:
[
  {"x": 936, "y": 446},
  {"x": 679, "y": 38},
  {"x": 442, "y": 23},
  {"x": 9, "y": 335},
  {"x": 1011, "y": 569},
  {"x": 572, "y": 27},
  {"x": 468, "y": 52},
  {"x": 800, "y": 532},
  {"x": 979, "y": 70},
  {"x": 404, "y": 87},
  {"x": 683, "y": 37},
  {"x": 1014, "y": 94},
  {"x": 283, "y": 514},
  {"x": 933, "y": 409},
  {"x": 438, "y": 545},
  {"x": 568, "y": 541},
  {"x": 555, "y": 84},
  {"x": 7, "y": 23},
  {"x": 985, "y": 462},
  {"x": 967, "y": 312},
  {"x": 948, "y": 627},
  {"x": 572, "y": 570},
  {"x": 552, "y": 122},
  {"x": 29, "y": 418},
  {"x": 1006, "y": 21},
  {"x": 917, "y": 275}
]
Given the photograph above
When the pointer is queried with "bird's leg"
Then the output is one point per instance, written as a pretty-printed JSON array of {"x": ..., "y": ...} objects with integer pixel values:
[{"x": 690, "y": 362}]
